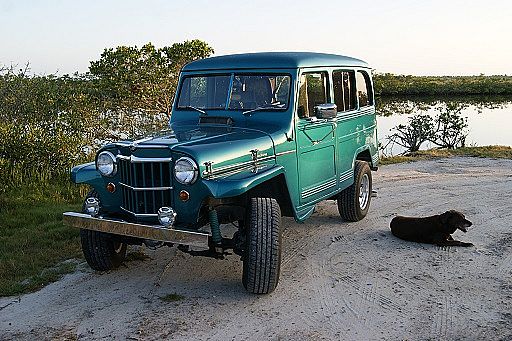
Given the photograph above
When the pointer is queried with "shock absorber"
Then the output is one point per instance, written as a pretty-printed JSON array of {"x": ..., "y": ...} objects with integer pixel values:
[{"x": 215, "y": 227}]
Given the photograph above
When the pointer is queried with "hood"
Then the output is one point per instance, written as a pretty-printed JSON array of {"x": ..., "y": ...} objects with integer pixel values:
[{"x": 224, "y": 148}]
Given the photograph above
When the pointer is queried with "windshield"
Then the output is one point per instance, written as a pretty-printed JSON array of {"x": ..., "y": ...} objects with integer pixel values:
[{"x": 235, "y": 92}]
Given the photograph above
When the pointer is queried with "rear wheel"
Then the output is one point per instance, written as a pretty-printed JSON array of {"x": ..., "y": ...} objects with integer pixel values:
[
  {"x": 354, "y": 201},
  {"x": 262, "y": 257},
  {"x": 101, "y": 251}
]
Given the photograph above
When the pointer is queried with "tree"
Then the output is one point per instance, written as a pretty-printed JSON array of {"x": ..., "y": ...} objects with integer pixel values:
[
  {"x": 49, "y": 123},
  {"x": 451, "y": 129},
  {"x": 419, "y": 130},
  {"x": 133, "y": 80},
  {"x": 46, "y": 123}
]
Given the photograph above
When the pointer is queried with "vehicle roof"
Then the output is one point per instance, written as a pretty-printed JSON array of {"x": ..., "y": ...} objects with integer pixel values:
[{"x": 273, "y": 60}]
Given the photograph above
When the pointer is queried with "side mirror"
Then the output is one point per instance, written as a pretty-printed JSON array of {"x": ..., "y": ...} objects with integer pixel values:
[{"x": 327, "y": 110}]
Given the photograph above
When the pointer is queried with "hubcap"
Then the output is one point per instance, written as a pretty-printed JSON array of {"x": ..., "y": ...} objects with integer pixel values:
[{"x": 364, "y": 191}]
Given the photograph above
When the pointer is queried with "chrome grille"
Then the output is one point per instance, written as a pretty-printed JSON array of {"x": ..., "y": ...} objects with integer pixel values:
[{"x": 146, "y": 185}]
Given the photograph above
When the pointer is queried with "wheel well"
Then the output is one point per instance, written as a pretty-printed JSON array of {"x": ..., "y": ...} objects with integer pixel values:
[
  {"x": 274, "y": 188},
  {"x": 365, "y": 156}
]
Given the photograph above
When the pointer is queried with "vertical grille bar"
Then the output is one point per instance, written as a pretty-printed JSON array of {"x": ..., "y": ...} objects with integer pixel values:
[
  {"x": 162, "y": 203},
  {"x": 143, "y": 166},
  {"x": 153, "y": 185},
  {"x": 133, "y": 205}
]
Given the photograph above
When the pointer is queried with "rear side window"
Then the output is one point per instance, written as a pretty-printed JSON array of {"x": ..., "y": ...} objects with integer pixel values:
[
  {"x": 344, "y": 90},
  {"x": 313, "y": 91},
  {"x": 364, "y": 89}
]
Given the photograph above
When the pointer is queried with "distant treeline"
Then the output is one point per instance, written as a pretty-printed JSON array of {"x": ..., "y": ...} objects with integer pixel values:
[{"x": 387, "y": 84}]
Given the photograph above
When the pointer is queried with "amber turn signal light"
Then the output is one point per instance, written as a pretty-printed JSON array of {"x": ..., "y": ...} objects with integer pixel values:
[
  {"x": 111, "y": 187},
  {"x": 184, "y": 196}
]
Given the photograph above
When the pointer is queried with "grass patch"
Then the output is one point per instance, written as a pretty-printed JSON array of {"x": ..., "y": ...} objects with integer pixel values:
[
  {"x": 34, "y": 242},
  {"x": 174, "y": 297},
  {"x": 389, "y": 160},
  {"x": 495, "y": 152},
  {"x": 136, "y": 256}
]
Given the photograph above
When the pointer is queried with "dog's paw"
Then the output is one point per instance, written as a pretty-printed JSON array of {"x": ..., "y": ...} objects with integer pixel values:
[{"x": 467, "y": 244}]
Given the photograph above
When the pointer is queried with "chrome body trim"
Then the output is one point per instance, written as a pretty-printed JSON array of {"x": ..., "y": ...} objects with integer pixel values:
[
  {"x": 293, "y": 151},
  {"x": 143, "y": 146},
  {"x": 375, "y": 158},
  {"x": 235, "y": 168},
  {"x": 354, "y": 114},
  {"x": 345, "y": 176},
  {"x": 135, "y": 159},
  {"x": 318, "y": 189},
  {"x": 123, "y": 228}
]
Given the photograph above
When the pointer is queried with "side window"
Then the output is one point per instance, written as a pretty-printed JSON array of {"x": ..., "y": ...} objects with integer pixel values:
[
  {"x": 313, "y": 90},
  {"x": 364, "y": 89},
  {"x": 344, "y": 90}
]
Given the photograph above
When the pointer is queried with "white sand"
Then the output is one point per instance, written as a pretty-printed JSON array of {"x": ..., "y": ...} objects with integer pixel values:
[{"x": 351, "y": 281}]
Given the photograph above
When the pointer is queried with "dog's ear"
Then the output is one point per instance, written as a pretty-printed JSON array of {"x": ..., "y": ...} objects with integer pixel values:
[{"x": 444, "y": 217}]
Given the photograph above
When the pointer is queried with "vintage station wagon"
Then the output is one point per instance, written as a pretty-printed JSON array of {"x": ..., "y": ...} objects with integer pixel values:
[{"x": 252, "y": 137}]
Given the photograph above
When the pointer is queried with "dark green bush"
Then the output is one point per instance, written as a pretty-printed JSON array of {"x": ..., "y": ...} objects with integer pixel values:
[{"x": 50, "y": 123}]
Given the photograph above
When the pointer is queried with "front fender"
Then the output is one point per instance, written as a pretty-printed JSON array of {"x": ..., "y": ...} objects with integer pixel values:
[
  {"x": 86, "y": 174},
  {"x": 224, "y": 188}
]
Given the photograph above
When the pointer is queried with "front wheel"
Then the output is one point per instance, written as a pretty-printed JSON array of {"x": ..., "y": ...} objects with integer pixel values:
[
  {"x": 262, "y": 257},
  {"x": 354, "y": 201},
  {"x": 101, "y": 251}
]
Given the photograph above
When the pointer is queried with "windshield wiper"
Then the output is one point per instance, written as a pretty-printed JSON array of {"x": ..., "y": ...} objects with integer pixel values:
[
  {"x": 265, "y": 107},
  {"x": 196, "y": 109}
]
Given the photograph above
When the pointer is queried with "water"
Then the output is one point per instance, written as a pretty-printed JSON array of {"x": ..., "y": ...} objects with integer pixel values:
[{"x": 489, "y": 120}]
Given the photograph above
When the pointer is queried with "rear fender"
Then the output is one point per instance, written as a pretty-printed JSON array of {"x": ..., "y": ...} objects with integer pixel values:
[{"x": 365, "y": 153}]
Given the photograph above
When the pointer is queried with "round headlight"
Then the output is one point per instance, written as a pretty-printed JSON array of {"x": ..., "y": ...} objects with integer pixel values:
[
  {"x": 185, "y": 170},
  {"x": 106, "y": 164}
]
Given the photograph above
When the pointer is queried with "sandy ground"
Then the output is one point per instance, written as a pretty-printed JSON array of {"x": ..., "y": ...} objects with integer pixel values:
[{"x": 350, "y": 281}]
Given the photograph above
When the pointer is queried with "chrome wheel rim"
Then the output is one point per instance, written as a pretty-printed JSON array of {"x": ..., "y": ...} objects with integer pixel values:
[{"x": 364, "y": 191}]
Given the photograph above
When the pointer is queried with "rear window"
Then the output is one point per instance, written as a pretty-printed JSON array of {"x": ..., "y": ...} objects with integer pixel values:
[{"x": 364, "y": 89}]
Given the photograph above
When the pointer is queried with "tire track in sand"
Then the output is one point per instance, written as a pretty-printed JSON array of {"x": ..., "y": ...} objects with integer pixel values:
[{"x": 367, "y": 289}]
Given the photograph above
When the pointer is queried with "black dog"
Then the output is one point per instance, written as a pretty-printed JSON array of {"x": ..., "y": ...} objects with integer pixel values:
[{"x": 436, "y": 229}]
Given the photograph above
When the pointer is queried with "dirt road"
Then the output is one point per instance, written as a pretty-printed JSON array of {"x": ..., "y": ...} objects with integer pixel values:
[{"x": 350, "y": 281}]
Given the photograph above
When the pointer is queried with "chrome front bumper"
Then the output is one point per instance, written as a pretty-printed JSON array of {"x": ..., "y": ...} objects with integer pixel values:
[{"x": 151, "y": 232}]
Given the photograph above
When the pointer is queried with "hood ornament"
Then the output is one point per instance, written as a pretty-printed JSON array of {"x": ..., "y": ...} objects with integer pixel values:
[
  {"x": 254, "y": 154},
  {"x": 208, "y": 169}
]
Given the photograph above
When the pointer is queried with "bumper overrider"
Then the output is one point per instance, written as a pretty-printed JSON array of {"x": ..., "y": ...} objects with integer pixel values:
[{"x": 150, "y": 232}]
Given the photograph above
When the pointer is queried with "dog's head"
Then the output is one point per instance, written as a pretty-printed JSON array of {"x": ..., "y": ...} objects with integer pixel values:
[{"x": 453, "y": 220}]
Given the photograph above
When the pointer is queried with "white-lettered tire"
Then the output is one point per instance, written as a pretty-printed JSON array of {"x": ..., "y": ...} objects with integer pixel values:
[
  {"x": 262, "y": 258},
  {"x": 101, "y": 251},
  {"x": 354, "y": 201}
]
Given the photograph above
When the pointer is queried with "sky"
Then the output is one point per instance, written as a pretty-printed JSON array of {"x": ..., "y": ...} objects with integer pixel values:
[{"x": 437, "y": 37}]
